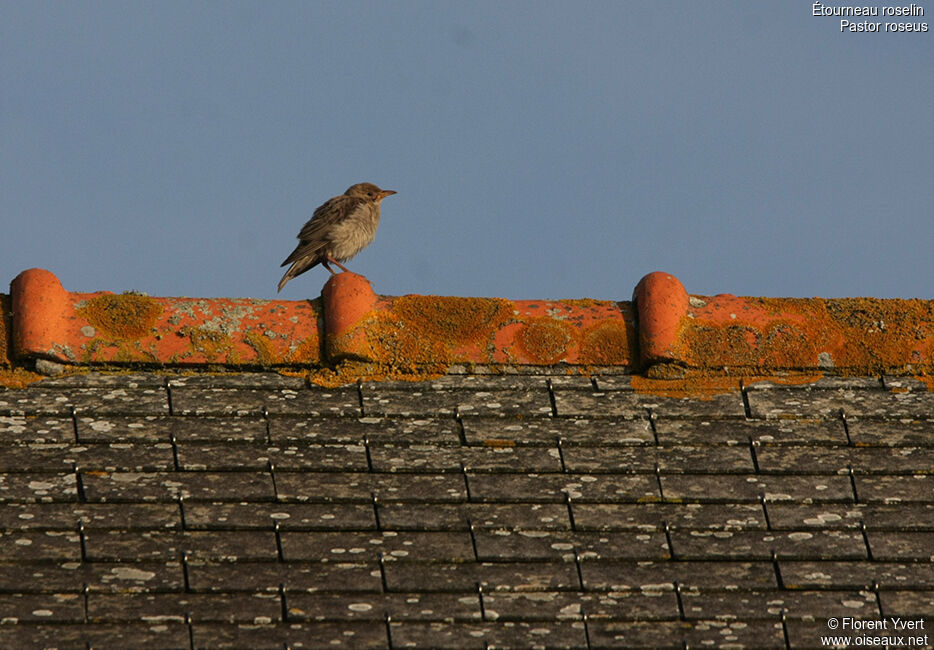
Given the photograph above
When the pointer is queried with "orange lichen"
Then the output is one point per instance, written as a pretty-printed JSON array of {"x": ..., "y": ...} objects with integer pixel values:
[
  {"x": 452, "y": 320},
  {"x": 5, "y": 331},
  {"x": 853, "y": 336},
  {"x": 545, "y": 340},
  {"x": 124, "y": 316},
  {"x": 18, "y": 377},
  {"x": 307, "y": 351},
  {"x": 705, "y": 385},
  {"x": 262, "y": 346},
  {"x": 608, "y": 343}
]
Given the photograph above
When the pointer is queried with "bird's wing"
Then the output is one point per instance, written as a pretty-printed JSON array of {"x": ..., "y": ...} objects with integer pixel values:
[
  {"x": 314, "y": 234},
  {"x": 333, "y": 211}
]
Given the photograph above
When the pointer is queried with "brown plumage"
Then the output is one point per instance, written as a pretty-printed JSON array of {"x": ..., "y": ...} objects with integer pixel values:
[{"x": 337, "y": 231}]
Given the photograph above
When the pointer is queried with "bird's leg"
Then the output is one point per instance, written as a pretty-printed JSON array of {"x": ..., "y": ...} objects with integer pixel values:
[
  {"x": 330, "y": 270},
  {"x": 334, "y": 261}
]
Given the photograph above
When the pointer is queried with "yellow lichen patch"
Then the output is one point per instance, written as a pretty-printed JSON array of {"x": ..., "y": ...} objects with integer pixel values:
[
  {"x": 213, "y": 344},
  {"x": 703, "y": 388},
  {"x": 124, "y": 316},
  {"x": 453, "y": 321},
  {"x": 5, "y": 331},
  {"x": 545, "y": 340},
  {"x": 307, "y": 351},
  {"x": 608, "y": 343},
  {"x": 18, "y": 378},
  {"x": 348, "y": 372},
  {"x": 499, "y": 443},
  {"x": 262, "y": 346}
]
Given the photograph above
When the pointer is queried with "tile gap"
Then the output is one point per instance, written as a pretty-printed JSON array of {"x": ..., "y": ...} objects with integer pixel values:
[
  {"x": 580, "y": 570},
  {"x": 282, "y": 600},
  {"x": 558, "y": 443},
  {"x": 784, "y": 618},
  {"x": 369, "y": 458},
  {"x": 191, "y": 631},
  {"x": 272, "y": 475},
  {"x": 862, "y": 530},
  {"x": 652, "y": 418},
  {"x": 551, "y": 398},
  {"x": 277, "y": 529},
  {"x": 266, "y": 424},
  {"x": 168, "y": 396},
  {"x": 360, "y": 396},
  {"x": 584, "y": 619},
  {"x": 744, "y": 393},
  {"x": 846, "y": 428},
  {"x": 765, "y": 511},
  {"x": 677, "y": 586},
  {"x": 752, "y": 450},
  {"x": 777, "y": 569},
  {"x": 74, "y": 424}
]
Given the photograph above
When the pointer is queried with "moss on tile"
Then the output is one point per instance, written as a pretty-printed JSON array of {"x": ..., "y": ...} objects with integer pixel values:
[{"x": 124, "y": 316}]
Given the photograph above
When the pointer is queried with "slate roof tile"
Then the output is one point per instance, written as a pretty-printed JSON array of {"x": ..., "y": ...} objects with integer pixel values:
[
  {"x": 170, "y": 486},
  {"x": 571, "y": 431},
  {"x": 255, "y": 510},
  {"x": 526, "y": 575},
  {"x": 19, "y": 487},
  {"x": 254, "y": 401},
  {"x": 351, "y": 574},
  {"x": 627, "y": 403},
  {"x": 613, "y": 575},
  {"x": 909, "y": 604},
  {"x": 857, "y": 575},
  {"x": 135, "y": 636},
  {"x": 23, "y": 429},
  {"x": 515, "y": 516}
]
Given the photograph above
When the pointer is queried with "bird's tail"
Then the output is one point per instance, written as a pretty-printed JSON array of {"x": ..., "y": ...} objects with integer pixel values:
[{"x": 298, "y": 267}]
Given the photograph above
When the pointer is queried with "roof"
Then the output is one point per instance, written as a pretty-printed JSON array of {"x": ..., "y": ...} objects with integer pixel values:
[{"x": 470, "y": 505}]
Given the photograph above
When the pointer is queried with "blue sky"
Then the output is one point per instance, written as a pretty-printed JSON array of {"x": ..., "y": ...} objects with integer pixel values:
[{"x": 540, "y": 149}]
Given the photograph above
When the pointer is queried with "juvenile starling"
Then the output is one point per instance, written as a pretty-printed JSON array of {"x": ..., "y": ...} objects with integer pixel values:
[{"x": 337, "y": 231}]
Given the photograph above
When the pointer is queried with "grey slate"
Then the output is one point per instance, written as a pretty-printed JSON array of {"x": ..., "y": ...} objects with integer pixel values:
[{"x": 475, "y": 510}]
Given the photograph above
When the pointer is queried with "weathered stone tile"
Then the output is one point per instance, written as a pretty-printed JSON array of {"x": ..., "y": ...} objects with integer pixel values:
[
  {"x": 720, "y": 459},
  {"x": 173, "y": 607},
  {"x": 909, "y": 605},
  {"x": 901, "y": 546},
  {"x": 856, "y": 575},
  {"x": 265, "y": 380},
  {"x": 20, "y": 429},
  {"x": 739, "y": 488},
  {"x": 757, "y": 545},
  {"x": 252, "y": 401},
  {"x": 838, "y": 460},
  {"x": 123, "y": 636},
  {"x": 906, "y": 516},
  {"x": 909, "y": 488},
  {"x": 431, "y": 458},
  {"x": 771, "y": 401},
  {"x": 33, "y": 458},
  {"x": 169, "y": 486},
  {"x": 346, "y": 634},
  {"x": 39, "y": 608},
  {"x": 28, "y": 546},
  {"x": 514, "y": 516},
  {"x": 357, "y": 546},
  {"x": 29, "y": 487},
  {"x": 412, "y": 606},
  {"x": 649, "y": 605},
  {"x": 58, "y": 457},
  {"x": 571, "y": 431},
  {"x": 465, "y": 636},
  {"x": 750, "y": 605},
  {"x": 289, "y": 516},
  {"x": 904, "y": 432},
  {"x": 491, "y": 576},
  {"x": 603, "y": 575},
  {"x": 654, "y": 516},
  {"x": 228, "y": 457},
  {"x": 184, "y": 429},
  {"x": 65, "y": 516},
  {"x": 409, "y": 402},
  {"x": 543, "y": 488},
  {"x": 696, "y": 634},
  {"x": 353, "y": 575},
  {"x": 362, "y": 486},
  {"x": 105, "y": 380},
  {"x": 511, "y": 546},
  {"x": 673, "y": 431},
  {"x": 376, "y": 430},
  {"x": 229, "y": 546},
  {"x": 71, "y": 576},
  {"x": 117, "y": 400},
  {"x": 627, "y": 403}
]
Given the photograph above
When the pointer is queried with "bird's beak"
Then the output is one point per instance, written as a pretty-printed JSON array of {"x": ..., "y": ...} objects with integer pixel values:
[{"x": 384, "y": 193}]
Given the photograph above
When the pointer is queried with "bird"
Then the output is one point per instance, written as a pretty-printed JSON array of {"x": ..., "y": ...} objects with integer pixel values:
[{"x": 339, "y": 229}]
